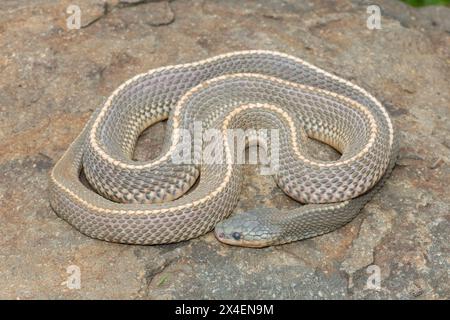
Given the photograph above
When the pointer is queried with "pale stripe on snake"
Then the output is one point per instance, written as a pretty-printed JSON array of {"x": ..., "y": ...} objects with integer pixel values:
[{"x": 149, "y": 203}]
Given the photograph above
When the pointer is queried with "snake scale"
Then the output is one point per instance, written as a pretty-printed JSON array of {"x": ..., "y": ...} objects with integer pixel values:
[{"x": 165, "y": 201}]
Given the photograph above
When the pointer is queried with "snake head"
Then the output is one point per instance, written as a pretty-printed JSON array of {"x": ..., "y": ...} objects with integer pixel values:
[{"x": 250, "y": 229}]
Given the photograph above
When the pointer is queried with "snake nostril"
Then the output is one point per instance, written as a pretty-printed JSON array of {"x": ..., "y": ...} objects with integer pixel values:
[{"x": 221, "y": 235}]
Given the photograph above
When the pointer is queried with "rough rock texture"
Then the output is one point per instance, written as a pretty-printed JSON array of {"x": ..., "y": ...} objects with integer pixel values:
[{"x": 52, "y": 79}]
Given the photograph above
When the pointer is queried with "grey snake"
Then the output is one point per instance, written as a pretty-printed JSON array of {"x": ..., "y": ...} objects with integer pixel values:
[{"x": 164, "y": 201}]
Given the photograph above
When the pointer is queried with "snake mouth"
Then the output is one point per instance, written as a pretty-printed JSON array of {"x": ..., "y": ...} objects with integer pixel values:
[{"x": 222, "y": 237}]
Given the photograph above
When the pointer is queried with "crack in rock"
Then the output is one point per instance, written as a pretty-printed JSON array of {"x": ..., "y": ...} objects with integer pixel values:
[
  {"x": 92, "y": 11},
  {"x": 372, "y": 231},
  {"x": 156, "y": 12},
  {"x": 150, "y": 13}
]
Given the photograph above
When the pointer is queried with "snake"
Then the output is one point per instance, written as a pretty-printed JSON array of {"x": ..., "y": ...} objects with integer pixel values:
[{"x": 177, "y": 195}]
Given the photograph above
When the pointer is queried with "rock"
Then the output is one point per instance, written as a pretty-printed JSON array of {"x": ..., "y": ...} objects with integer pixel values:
[
  {"x": 91, "y": 11},
  {"x": 131, "y": 1},
  {"x": 153, "y": 14},
  {"x": 53, "y": 78},
  {"x": 360, "y": 254}
]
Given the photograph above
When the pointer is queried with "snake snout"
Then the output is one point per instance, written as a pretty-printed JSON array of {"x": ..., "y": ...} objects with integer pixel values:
[{"x": 248, "y": 229}]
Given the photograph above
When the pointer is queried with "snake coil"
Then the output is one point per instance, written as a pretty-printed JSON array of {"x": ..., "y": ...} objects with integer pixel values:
[{"x": 149, "y": 203}]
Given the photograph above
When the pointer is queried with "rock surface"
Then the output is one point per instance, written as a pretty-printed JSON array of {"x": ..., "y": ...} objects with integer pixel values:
[{"x": 52, "y": 79}]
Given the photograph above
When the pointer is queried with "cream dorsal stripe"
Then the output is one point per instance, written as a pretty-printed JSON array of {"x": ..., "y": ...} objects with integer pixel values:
[
  {"x": 109, "y": 102},
  {"x": 179, "y": 109},
  {"x": 271, "y": 87}
]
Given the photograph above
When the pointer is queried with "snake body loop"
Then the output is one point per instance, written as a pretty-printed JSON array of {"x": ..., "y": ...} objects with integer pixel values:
[{"x": 149, "y": 203}]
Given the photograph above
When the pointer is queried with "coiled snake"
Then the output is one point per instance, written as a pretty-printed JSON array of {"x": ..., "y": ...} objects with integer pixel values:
[{"x": 155, "y": 202}]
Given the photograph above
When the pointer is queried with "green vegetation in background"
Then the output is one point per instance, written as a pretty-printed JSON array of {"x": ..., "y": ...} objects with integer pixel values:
[{"x": 422, "y": 3}]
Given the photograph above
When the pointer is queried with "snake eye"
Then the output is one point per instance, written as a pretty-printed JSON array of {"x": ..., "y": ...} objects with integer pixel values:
[{"x": 236, "y": 235}]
